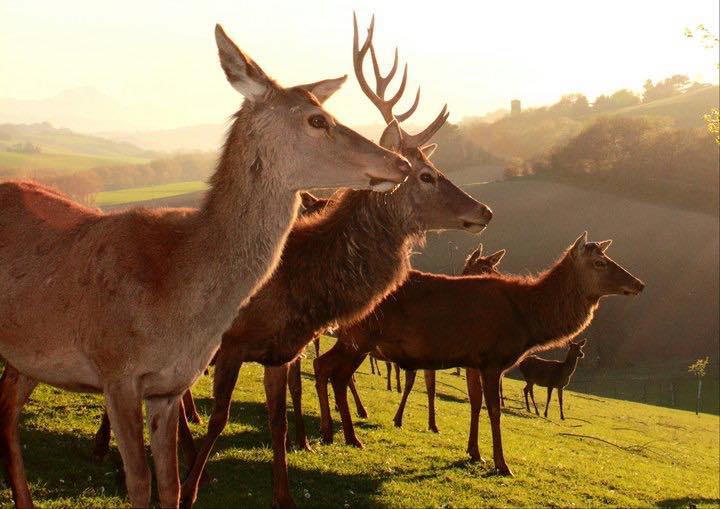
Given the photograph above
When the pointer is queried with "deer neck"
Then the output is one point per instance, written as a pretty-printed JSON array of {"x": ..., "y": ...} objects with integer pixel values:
[
  {"x": 362, "y": 247},
  {"x": 237, "y": 236},
  {"x": 559, "y": 309},
  {"x": 570, "y": 364}
]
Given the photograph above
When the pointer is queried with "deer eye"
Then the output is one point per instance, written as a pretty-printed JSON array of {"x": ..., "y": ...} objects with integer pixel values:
[
  {"x": 599, "y": 264},
  {"x": 318, "y": 122},
  {"x": 427, "y": 178}
]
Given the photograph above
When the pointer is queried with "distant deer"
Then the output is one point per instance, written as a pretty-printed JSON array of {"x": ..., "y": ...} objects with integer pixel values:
[
  {"x": 550, "y": 374},
  {"x": 134, "y": 303},
  {"x": 336, "y": 266},
  {"x": 486, "y": 322},
  {"x": 475, "y": 264}
]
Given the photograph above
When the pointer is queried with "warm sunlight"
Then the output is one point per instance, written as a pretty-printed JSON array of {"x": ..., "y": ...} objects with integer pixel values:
[{"x": 157, "y": 60}]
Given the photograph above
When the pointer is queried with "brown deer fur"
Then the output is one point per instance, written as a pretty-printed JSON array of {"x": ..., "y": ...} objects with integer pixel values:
[
  {"x": 475, "y": 264},
  {"x": 551, "y": 374},
  {"x": 485, "y": 322},
  {"x": 133, "y": 304},
  {"x": 336, "y": 266}
]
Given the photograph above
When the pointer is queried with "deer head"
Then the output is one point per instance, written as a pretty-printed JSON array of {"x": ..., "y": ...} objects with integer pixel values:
[
  {"x": 312, "y": 204},
  {"x": 477, "y": 264},
  {"x": 575, "y": 350},
  {"x": 600, "y": 275},
  {"x": 429, "y": 197},
  {"x": 315, "y": 149}
]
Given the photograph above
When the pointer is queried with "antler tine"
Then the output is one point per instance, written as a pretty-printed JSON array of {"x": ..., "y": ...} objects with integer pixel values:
[
  {"x": 383, "y": 82},
  {"x": 358, "y": 58},
  {"x": 404, "y": 116},
  {"x": 418, "y": 140}
]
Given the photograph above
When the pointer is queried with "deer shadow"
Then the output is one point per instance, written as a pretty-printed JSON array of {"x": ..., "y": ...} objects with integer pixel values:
[{"x": 687, "y": 502}]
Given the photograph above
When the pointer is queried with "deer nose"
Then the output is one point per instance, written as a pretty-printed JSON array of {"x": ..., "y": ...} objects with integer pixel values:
[{"x": 487, "y": 213}]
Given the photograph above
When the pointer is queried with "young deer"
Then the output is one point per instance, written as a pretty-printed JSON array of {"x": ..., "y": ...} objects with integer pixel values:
[
  {"x": 486, "y": 322},
  {"x": 133, "y": 304},
  {"x": 336, "y": 266},
  {"x": 475, "y": 264},
  {"x": 550, "y": 374}
]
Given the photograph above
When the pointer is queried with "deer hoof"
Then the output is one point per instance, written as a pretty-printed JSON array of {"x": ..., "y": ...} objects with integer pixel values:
[
  {"x": 475, "y": 457},
  {"x": 355, "y": 442},
  {"x": 363, "y": 414},
  {"x": 194, "y": 418},
  {"x": 433, "y": 428},
  {"x": 304, "y": 446},
  {"x": 398, "y": 423},
  {"x": 504, "y": 470},
  {"x": 327, "y": 439}
]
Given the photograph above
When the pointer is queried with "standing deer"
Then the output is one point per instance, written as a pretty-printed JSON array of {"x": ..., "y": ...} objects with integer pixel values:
[
  {"x": 486, "y": 322},
  {"x": 550, "y": 374},
  {"x": 475, "y": 264},
  {"x": 336, "y": 266},
  {"x": 134, "y": 304}
]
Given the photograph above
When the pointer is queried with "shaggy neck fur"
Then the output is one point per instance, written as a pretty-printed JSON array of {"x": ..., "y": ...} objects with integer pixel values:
[{"x": 555, "y": 308}]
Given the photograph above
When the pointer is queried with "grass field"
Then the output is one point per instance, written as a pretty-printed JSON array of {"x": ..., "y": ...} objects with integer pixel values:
[
  {"x": 61, "y": 162},
  {"x": 137, "y": 194},
  {"x": 632, "y": 454}
]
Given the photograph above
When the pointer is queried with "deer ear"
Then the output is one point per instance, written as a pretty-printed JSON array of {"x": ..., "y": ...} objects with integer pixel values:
[
  {"x": 308, "y": 200},
  {"x": 495, "y": 258},
  {"x": 428, "y": 150},
  {"x": 581, "y": 343},
  {"x": 604, "y": 245},
  {"x": 579, "y": 244},
  {"x": 243, "y": 74},
  {"x": 391, "y": 138},
  {"x": 322, "y": 90}
]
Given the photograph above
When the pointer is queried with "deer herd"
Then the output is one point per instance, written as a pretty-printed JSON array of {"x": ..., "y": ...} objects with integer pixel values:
[{"x": 136, "y": 304}]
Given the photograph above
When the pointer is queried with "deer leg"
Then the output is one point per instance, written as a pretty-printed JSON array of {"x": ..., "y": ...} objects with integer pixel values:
[
  {"x": 458, "y": 372},
  {"x": 491, "y": 388},
  {"x": 547, "y": 404},
  {"x": 15, "y": 389},
  {"x": 185, "y": 437},
  {"x": 275, "y": 393},
  {"x": 227, "y": 369},
  {"x": 430, "y": 388},
  {"x": 532, "y": 397},
  {"x": 295, "y": 386},
  {"x": 409, "y": 382},
  {"x": 388, "y": 366},
  {"x": 323, "y": 367},
  {"x": 502, "y": 396},
  {"x": 526, "y": 390},
  {"x": 340, "y": 380},
  {"x": 372, "y": 365},
  {"x": 190, "y": 410},
  {"x": 560, "y": 392},
  {"x": 397, "y": 378},
  {"x": 475, "y": 395},
  {"x": 162, "y": 417},
  {"x": 102, "y": 438},
  {"x": 124, "y": 407},
  {"x": 316, "y": 343},
  {"x": 356, "y": 396}
]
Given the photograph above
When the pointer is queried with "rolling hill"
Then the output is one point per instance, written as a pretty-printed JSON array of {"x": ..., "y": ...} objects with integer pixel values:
[
  {"x": 63, "y": 149},
  {"x": 687, "y": 109}
]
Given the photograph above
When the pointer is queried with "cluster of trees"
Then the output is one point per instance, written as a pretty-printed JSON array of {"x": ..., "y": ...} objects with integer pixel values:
[
  {"x": 455, "y": 150},
  {"x": 84, "y": 185},
  {"x": 646, "y": 157}
]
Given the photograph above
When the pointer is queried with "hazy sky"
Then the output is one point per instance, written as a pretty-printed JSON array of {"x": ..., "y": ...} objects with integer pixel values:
[{"x": 476, "y": 56}]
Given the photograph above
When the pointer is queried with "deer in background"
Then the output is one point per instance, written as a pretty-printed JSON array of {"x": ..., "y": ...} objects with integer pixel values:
[
  {"x": 551, "y": 374},
  {"x": 475, "y": 264},
  {"x": 336, "y": 266},
  {"x": 486, "y": 322},
  {"x": 134, "y": 303}
]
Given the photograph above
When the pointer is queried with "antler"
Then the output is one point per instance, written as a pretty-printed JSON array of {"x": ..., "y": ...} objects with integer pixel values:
[{"x": 381, "y": 83}]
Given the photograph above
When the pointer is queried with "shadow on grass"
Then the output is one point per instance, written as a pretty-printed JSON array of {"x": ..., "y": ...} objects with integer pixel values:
[{"x": 687, "y": 502}]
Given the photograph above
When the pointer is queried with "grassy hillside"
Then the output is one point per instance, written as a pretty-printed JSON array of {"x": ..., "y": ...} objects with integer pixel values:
[
  {"x": 629, "y": 454},
  {"x": 136, "y": 195},
  {"x": 687, "y": 109},
  {"x": 63, "y": 149}
]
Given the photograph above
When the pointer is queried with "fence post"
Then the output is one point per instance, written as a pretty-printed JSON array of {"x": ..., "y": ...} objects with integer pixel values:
[
  {"x": 672, "y": 394},
  {"x": 697, "y": 404}
]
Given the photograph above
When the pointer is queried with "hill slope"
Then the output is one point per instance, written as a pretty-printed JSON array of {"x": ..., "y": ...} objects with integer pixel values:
[
  {"x": 687, "y": 109},
  {"x": 63, "y": 149},
  {"x": 606, "y": 452}
]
